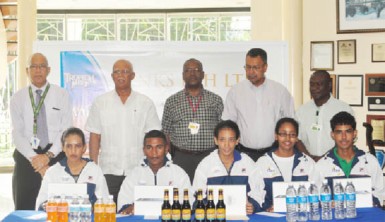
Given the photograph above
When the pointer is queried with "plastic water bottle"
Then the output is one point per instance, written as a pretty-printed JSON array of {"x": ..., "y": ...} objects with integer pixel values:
[
  {"x": 302, "y": 203},
  {"x": 85, "y": 210},
  {"x": 350, "y": 191},
  {"x": 74, "y": 210},
  {"x": 326, "y": 201},
  {"x": 291, "y": 204},
  {"x": 339, "y": 199},
  {"x": 313, "y": 202}
]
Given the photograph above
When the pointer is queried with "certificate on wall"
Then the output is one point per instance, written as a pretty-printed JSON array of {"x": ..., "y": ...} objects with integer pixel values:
[
  {"x": 378, "y": 52},
  {"x": 322, "y": 55},
  {"x": 346, "y": 51},
  {"x": 350, "y": 89}
]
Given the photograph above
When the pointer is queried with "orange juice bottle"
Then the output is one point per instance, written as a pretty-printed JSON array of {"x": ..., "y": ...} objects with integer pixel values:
[
  {"x": 99, "y": 211},
  {"x": 51, "y": 209},
  {"x": 110, "y": 209},
  {"x": 62, "y": 210}
]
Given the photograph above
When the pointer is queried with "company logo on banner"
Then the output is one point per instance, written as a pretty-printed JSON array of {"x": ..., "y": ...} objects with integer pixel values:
[{"x": 158, "y": 70}]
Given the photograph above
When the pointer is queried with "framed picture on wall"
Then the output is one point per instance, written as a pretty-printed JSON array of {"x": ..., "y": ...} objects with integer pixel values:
[
  {"x": 360, "y": 16},
  {"x": 322, "y": 55},
  {"x": 378, "y": 52},
  {"x": 333, "y": 78},
  {"x": 350, "y": 89},
  {"x": 346, "y": 51},
  {"x": 375, "y": 84}
]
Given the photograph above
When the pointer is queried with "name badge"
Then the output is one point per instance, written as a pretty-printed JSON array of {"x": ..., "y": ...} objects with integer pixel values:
[
  {"x": 34, "y": 142},
  {"x": 194, "y": 127},
  {"x": 316, "y": 127}
]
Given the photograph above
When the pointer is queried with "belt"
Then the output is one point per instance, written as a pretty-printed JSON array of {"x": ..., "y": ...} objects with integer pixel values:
[
  {"x": 242, "y": 148},
  {"x": 175, "y": 148}
]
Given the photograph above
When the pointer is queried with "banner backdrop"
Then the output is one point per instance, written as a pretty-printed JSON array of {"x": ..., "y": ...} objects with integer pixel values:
[{"x": 85, "y": 67}]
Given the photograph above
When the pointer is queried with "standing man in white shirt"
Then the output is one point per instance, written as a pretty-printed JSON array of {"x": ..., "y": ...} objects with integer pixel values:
[
  {"x": 118, "y": 121},
  {"x": 314, "y": 116},
  {"x": 256, "y": 104},
  {"x": 38, "y": 120}
]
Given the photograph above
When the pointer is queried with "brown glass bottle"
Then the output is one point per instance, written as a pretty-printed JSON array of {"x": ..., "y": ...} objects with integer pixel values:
[
  {"x": 210, "y": 207},
  {"x": 200, "y": 210},
  {"x": 221, "y": 207},
  {"x": 186, "y": 207},
  {"x": 176, "y": 208},
  {"x": 166, "y": 208}
]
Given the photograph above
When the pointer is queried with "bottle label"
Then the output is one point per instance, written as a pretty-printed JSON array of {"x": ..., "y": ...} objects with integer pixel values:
[
  {"x": 50, "y": 208},
  {"x": 211, "y": 214},
  {"x": 339, "y": 197},
  {"x": 350, "y": 197},
  {"x": 291, "y": 200},
  {"x": 200, "y": 214},
  {"x": 221, "y": 213},
  {"x": 326, "y": 197},
  {"x": 313, "y": 198},
  {"x": 98, "y": 209},
  {"x": 62, "y": 208},
  {"x": 175, "y": 214},
  {"x": 110, "y": 209},
  {"x": 302, "y": 199},
  {"x": 74, "y": 209},
  {"x": 85, "y": 208},
  {"x": 166, "y": 214},
  {"x": 186, "y": 214}
]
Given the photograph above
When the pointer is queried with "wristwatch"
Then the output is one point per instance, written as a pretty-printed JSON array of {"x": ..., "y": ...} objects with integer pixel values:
[{"x": 50, "y": 155}]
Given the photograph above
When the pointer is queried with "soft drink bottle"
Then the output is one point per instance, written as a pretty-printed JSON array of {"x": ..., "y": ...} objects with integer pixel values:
[
  {"x": 326, "y": 201},
  {"x": 350, "y": 191},
  {"x": 291, "y": 204},
  {"x": 51, "y": 209},
  {"x": 62, "y": 209},
  {"x": 339, "y": 199},
  {"x": 99, "y": 210},
  {"x": 313, "y": 202},
  {"x": 302, "y": 203},
  {"x": 110, "y": 209}
]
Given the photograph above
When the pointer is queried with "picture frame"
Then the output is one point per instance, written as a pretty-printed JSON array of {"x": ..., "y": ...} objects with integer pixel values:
[
  {"x": 359, "y": 16},
  {"x": 321, "y": 55},
  {"x": 375, "y": 84},
  {"x": 378, "y": 124},
  {"x": 346, "y": 51},
  {"x": 378, "y": 52},
  {"x": 333, "y": 77},
  {"x": 350, "y": 89}
]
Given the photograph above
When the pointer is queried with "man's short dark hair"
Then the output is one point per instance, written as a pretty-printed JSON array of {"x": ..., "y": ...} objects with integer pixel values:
[
  {"x": 155, "y": 134},
  {"x": 255, "y": 52},
  {"x": 343, "y": 118},
  {"x": 227, "y": 124},
  {"x": 322, "y": 73}
]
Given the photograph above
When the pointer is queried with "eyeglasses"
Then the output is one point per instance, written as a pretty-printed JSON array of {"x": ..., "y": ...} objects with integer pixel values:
[
  {"x": 290, "y": 135},
  {"x": 41, "y": 66},
  {"x": 254, "y": 68},
  {"x": 192, "y": 70},
  {"x": 123, "y": 71}
]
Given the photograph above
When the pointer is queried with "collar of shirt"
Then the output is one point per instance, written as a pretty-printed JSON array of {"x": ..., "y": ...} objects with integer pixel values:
[
  {"x": 346, "y": 166},
  {"x": 253, "y": 87},
  {"x": 34, "y": 88}
]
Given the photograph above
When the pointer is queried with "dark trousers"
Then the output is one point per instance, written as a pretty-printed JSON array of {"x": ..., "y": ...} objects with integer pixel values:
[
  {"x": 188, "y": 160},
  {"x": 25, "y": 183},
  {"x": 252, "y": 153},
  {"x": 114, "y": 182}
]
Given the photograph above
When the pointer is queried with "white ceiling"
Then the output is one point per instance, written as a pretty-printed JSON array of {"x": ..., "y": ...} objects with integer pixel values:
[{"x": 139, "y": 4}]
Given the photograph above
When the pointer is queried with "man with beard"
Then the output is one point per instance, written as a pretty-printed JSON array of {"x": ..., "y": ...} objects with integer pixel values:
[{"x": 314, "y": 116}]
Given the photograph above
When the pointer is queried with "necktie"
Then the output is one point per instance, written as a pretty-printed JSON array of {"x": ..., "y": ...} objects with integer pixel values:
[{"x": 42, "y": 128}]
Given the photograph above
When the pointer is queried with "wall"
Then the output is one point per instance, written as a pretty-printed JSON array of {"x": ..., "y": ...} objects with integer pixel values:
[{"x": 319, "y": 24}]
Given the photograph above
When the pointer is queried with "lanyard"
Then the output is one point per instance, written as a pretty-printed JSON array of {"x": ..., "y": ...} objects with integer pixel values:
[
  {"x": 194, "y": 107},
  {"x": 36, "y": 109}
]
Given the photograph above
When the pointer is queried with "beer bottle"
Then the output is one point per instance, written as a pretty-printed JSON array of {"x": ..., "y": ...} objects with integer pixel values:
[
  {"x": 221, "y": 207},
  {"x": 200, "y": 210},
  {"x": 166, "y": 208},
  {"x": 176, "y": 207},
  {"x": 210, "y": 207},
  {"x": 186, "y": 207}
]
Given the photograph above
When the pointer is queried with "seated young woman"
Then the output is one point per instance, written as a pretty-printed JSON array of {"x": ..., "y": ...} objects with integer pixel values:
[
  {"x": 227, "y": 166},
  {"x": 283, "y": 162},
  {"x": 73, "y": 168}
]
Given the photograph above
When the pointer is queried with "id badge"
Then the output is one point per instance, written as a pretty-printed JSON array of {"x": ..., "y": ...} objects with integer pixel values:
[
  {"x": 194, "y": 127},
  {"x": 315, "y": 127},
  {"x": 34, "y": 142}
]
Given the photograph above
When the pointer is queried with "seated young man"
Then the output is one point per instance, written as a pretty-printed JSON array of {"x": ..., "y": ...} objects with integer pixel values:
[
  {"x": 155, "y": 169},
  {"x": 347, "y": 161}
]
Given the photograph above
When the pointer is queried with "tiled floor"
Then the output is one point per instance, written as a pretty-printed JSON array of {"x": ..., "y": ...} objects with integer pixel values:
[{"x": 6, "y": 202}]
